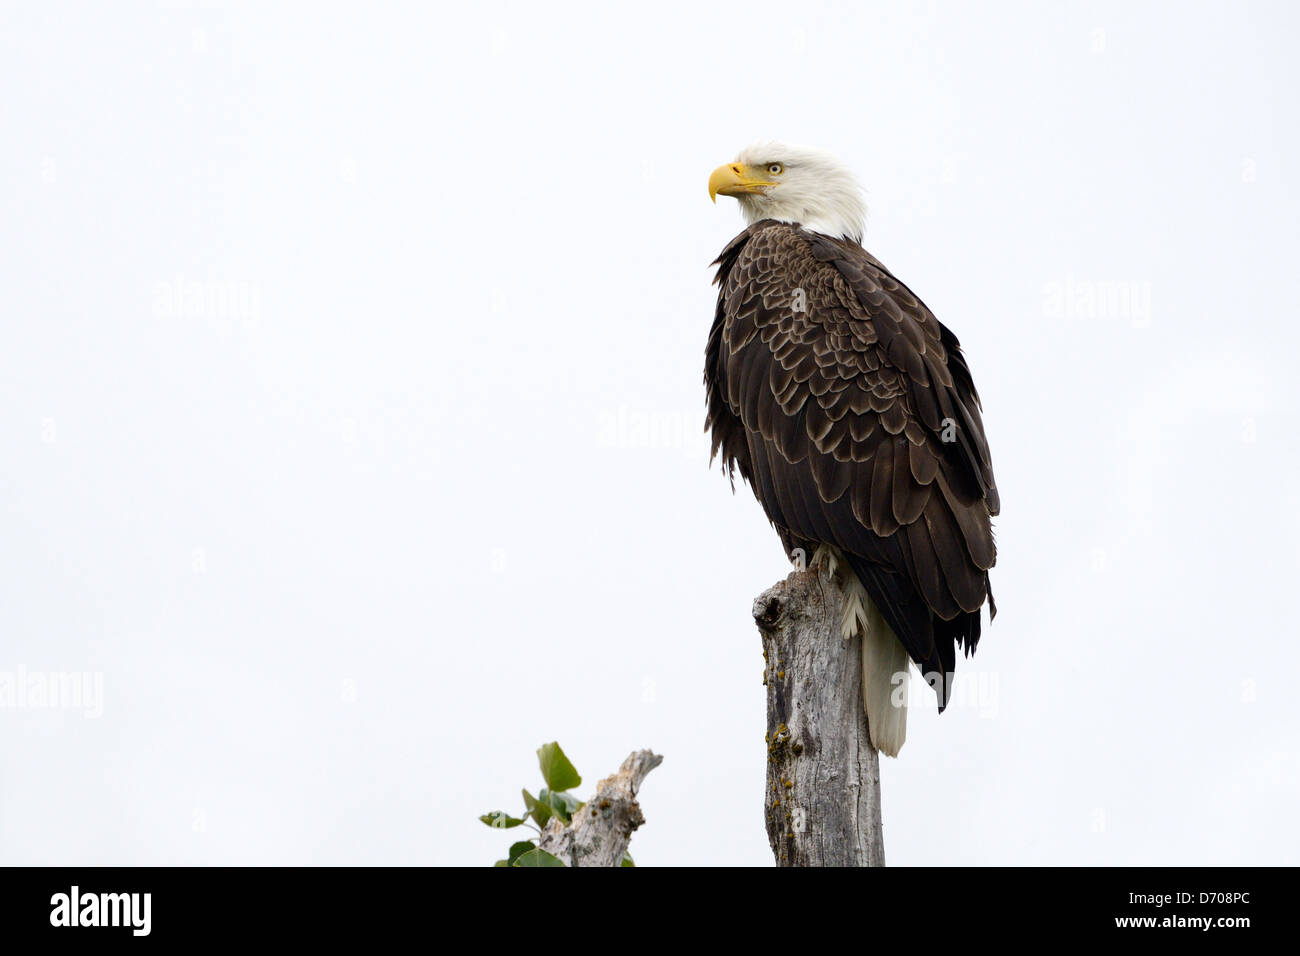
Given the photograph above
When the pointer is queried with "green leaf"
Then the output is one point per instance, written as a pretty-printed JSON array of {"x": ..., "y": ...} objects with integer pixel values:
[
  {"x": 539, "y": 810},
  {"x": 544, "y": 798},
  {"x": 501, "y": 863},
  {"x": 566, "y": 800},
  {"x": 565, "y": 805},
  {"x": 538, "y": 857},
  {"x": 558, "y": 773},
  {"x": 518, "y": 849},
  {"x": 627, "y": 859},
  {"x": 500, "y": 820}
]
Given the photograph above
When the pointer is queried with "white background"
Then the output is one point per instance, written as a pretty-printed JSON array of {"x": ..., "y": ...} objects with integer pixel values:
[{"x": 351, "y": 409}]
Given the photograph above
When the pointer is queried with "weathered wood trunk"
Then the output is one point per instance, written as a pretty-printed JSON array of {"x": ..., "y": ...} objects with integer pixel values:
[
  {"x": 599, "y": 833},
  {"x": 823, "y": 775}
]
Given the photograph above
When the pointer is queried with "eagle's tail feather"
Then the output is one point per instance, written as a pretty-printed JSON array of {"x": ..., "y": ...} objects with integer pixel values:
[{"x": 885, "y": 670}]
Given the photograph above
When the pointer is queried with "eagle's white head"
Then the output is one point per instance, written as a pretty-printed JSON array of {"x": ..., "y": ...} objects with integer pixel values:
[{"x": 794, "y": 184}]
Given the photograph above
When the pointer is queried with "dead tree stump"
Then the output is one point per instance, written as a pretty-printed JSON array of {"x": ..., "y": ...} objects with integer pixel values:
[{"x": 823, "y": 775}]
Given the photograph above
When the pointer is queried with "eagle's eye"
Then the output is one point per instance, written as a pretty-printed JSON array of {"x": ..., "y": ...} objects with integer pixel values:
[{"x": 776, "y": 169}]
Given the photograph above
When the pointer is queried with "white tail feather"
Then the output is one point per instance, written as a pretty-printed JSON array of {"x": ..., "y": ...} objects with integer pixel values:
[{"x": 886, "y": 667}]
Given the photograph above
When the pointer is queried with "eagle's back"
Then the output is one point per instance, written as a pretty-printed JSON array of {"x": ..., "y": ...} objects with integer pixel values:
[{"x": 851, "y": 412}]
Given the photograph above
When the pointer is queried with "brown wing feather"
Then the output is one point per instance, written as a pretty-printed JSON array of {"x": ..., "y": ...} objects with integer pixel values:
[{"x": 836, "y": 415}]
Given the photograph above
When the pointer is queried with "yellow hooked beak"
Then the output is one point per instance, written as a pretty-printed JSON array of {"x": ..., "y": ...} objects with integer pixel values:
[{"x": 736, "y": 179}]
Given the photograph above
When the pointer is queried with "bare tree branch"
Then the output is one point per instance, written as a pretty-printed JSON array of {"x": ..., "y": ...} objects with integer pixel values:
[{"x": 599, "y": 833}]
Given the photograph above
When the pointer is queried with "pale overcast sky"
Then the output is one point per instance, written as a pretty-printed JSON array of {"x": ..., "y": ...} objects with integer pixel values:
[{"x": 350, "y": 393}]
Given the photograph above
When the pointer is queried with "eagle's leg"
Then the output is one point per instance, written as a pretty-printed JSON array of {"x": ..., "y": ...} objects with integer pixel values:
[
  {"x": 836, "y": 570},
  {"x": 826, "y": 560}
]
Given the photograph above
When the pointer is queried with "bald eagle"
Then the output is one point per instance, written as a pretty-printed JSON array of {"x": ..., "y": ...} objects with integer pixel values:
[{"x": 850, "y": 411}]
